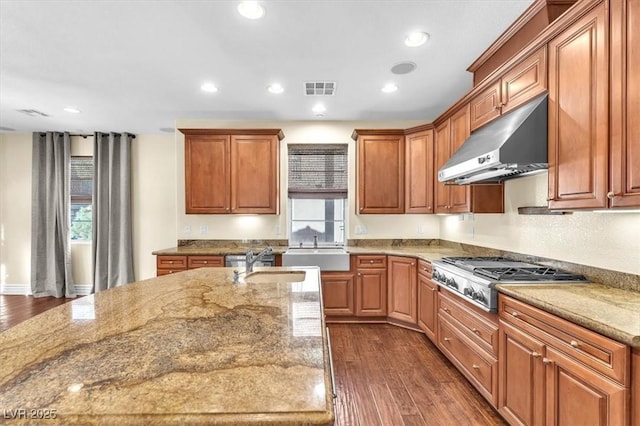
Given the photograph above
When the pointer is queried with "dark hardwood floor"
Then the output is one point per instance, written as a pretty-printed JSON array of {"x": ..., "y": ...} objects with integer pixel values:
[
  {"x": 15, "y": 309},
  {"x": 385, "y": 375}
]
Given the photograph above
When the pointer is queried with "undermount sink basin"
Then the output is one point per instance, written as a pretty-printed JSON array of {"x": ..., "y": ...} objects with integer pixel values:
[
  {"x": 327, "y": 259},
  {"x": 275, "y": 277}
]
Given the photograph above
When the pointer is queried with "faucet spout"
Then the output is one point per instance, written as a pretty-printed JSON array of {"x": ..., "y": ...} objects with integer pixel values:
[{"x": 251, "y": 258}]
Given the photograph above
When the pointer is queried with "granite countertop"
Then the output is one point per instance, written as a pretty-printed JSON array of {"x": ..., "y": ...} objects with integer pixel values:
[
  {"x": 186, "y": 348},
  {"x": 609, "y": 311}
]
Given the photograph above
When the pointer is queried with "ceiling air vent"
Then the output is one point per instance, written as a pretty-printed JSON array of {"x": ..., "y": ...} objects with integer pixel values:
[
  {"x": 33, "y": 112},
  {"x": 320, "y": 88}
]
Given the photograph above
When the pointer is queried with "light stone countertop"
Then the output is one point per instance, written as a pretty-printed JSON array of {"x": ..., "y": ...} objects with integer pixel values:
[
  {"x": 186, "y": 348},
  {"x": 609, "y": 311}
]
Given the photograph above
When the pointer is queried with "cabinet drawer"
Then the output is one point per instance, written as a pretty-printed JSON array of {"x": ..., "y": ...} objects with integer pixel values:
[
  {"x": 479, "y": 366},
  {"x": 482, "y": 332},
  {"x": 205, "y": 261},
  {"x": 171, "y": 262},
  {"x": 160, "y": 272},
  {"x": 371, "y": 261},
  {"x": 607, "y": 356},
  {"x": 424, "y": 268}
]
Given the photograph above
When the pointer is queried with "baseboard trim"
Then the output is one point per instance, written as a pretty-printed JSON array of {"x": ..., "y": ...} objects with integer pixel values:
[{"x": 25, "y": 289}]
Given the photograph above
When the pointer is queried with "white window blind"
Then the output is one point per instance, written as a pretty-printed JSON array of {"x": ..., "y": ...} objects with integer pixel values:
[{"x": 318, "y": 171}]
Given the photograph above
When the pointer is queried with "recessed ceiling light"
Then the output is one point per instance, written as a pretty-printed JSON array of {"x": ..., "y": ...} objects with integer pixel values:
[
  {"x": 209, "y": 87},
  {"x": 275, "y": 88},
  {"x": 251, "y": 9},
  {"x": 389, "y": 88},
  {"x": 415, "y": 39},
  {"x": 72, "y": 110},
  {"x": 319, "y": 109}
]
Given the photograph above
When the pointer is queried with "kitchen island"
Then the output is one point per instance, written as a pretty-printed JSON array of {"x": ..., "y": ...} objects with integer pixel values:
[{"x": 187, "y": 348}]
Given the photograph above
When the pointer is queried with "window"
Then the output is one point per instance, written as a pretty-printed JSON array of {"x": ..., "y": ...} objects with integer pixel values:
[
  {"x": 318, "y": 184},
  {"x": 81, "y": 197}
]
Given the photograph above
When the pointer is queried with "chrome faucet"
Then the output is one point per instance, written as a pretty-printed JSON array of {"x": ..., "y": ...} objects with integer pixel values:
[
  {"x": 251, "y": 258},
  {"x": 315, "y": 241}
]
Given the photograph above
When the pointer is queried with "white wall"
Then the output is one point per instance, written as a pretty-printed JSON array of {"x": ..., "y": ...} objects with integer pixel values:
[
  {"x": 275, "y": 226},
  {"x": 605, "y": 240}
]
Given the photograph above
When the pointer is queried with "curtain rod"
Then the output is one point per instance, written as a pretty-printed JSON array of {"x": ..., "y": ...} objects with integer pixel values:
[{"x": 90, "y": 135}]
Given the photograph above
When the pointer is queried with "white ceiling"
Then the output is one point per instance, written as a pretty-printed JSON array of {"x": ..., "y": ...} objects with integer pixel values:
[{"x": 138, "y": 65}]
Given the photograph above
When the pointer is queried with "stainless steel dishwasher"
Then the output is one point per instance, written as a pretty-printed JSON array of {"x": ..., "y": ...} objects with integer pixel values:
[{"x": 240, "y": 260}]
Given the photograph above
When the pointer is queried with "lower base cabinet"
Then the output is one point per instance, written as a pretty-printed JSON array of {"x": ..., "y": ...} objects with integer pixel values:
[
  {"x": 553, "y": 372},
  {"x": 427, "y": 301},
  {"x": 337, "y": 293},
  {"x": 166, "y": 265}
]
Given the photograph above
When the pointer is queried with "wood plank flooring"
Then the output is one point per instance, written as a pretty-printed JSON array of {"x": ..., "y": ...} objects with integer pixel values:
[
  {"x": 385, "y": 375},
  {"x": 15, "y": 309}
]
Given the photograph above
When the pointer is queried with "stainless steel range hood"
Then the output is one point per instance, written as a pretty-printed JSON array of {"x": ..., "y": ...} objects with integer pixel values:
[{"x": 508, "y": 147}]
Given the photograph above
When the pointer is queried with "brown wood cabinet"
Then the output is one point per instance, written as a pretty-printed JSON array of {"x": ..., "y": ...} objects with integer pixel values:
[
  {"x": 371, "y": 286},
  {"x": 468, "y": 337},
  {"x": 169, "y": 264},
  {"x": 380, "y": 164},
  {"x": 427, "y": 301},
  {"x": 450, "y": 135},
  {"x": 402, "y": 289},
  {"x": 419, "y": 171},
  {"x": 232, "y": 171},
  {"x": 565, "y": 374},
  {"x": 523, "y": 82},
  {"x": 579, "y": 114},
  {"x": 338, "y": 293},
  {"x": 625, "y": 104}
]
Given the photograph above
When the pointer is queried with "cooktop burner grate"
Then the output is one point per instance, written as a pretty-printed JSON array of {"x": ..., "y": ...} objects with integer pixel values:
[{"x": 528, "y": 274}]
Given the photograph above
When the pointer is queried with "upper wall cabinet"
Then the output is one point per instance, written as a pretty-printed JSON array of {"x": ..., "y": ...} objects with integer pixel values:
[
  {"x": 625, "y": 104},
  {"x": 419, "y": 171},
  {"x": 232, "y": 171},
  {"x": 578, "y": 114},
  {"x": 450, "y": 135},
  {"x": 523, "y": 82},
  {"x": 380, "y": 164}
]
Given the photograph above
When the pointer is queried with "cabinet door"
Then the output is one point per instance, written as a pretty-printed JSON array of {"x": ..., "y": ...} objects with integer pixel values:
[
  {"x": 419, "y": 172},
  {"x": 485, "y": 106},
  {"x": 427, "y": 306},
  {"x": 525, "y": 81},
  {"x": 460, "y": 198},
  {"x": 337, "y": 293},
  {"x": 371, "y": 292},
  {"x": 521, "y": 377},
  {"x": 402, "y": 294},
  {"x": 381, "y": 174},
  {"x": 625, "y": 104},
  {"x": 578, "y": 114},
  {"x": 207, "y": 174},
  {"x": 577, "y": 395},
  {"x": 254, "y": 174},
  {"x": 442, "y": 154}
]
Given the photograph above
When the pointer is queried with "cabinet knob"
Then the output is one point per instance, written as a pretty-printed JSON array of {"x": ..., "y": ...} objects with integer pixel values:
[
  {"x": 535, "y": 354},
  {"x": 547, "y": 361},
  {"x": 476, "y": 367},
  {"x": 446, "y": 310},
  {"x": 574, "y": 343},
  {"x": 434, "y": 289},
  {"x": 359, "y": 274},
  {"x": 171, "y": 262},
  {"x": 371, "y": 261},
  {"x": 413, "y": 264},
  {"x": 475, "y": 330},
  {"x": 446, "y": 339},
  {"x": 514, "y": 314},
  {"x": 205, "y": 262},
  {"x": 425, "y": 269},
  {"x": 611, "y": 195}
]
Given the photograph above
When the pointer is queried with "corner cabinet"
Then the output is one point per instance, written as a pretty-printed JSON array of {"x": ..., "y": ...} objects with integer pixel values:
[
  {"x": 579, "y": 114},
  {"x": 232, "y": 171},
  {"x": 450, "y": 135},
  {"x": 380, "y": 171}
]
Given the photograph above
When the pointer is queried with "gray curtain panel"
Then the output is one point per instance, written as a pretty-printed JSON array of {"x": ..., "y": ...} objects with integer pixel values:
[
  {"x": 50, "y": 198},
  {"x": 112, "y": 239}
]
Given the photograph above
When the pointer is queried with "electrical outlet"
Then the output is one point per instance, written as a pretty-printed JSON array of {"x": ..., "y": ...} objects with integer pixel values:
[
  {"x": 420, "y": 229},
  {"x": 361, "y": 229},
  {"x": 276, "y": 230},
  {"x": 187, "y": 229},
  {"x": 204, "y": 230}
]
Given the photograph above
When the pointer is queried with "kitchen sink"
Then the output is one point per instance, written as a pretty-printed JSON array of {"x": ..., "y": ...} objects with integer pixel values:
[
  {"x": 275, "y": 277},
  {"x": 327, "y": 259}
]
